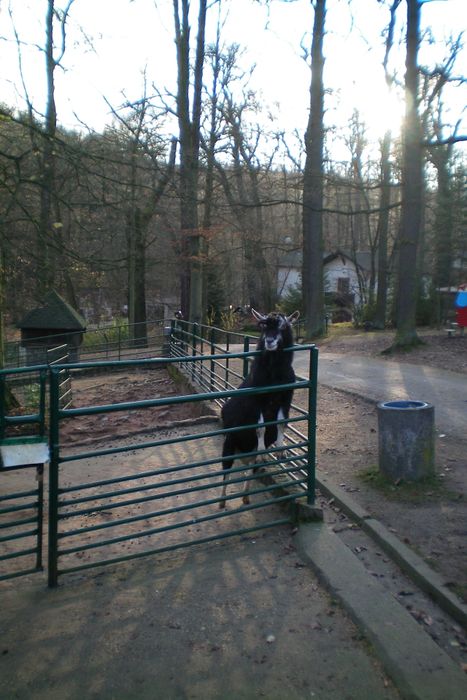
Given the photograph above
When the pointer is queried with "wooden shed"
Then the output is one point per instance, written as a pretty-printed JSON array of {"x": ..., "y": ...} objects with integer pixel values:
[{"x": 48, "y": 326}]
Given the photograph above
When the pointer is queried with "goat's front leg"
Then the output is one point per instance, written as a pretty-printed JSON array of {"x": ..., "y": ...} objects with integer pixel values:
[
  {"x": 280, "y": 433},
  {"x": 224, "y": 489},
  {"x": 261, "y": 432},
  {"x": 247, "y": 484},
  {"x": 225, "y": 478}
]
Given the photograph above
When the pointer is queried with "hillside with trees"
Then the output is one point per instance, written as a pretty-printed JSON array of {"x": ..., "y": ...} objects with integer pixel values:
[{"x": 191, "y": 199}]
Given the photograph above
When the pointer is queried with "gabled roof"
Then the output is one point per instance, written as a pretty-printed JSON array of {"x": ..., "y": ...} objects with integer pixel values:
[
  {"x": 361, "y": 259},
  {"x": 294, "y": 258},
  {"x": 55, "y": 314}
]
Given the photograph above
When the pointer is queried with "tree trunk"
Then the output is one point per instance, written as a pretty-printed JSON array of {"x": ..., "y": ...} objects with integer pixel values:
[
  {"x": 379, "y": 319},
  {"x": 137, "y": 279},
  {"x": 412, "y": 184},
  {"x": 443, "y": 218},
  {"x": 189, "y": 126},
  {"x": 45, "y": 271},
  {"x": 313, "y": 282}
]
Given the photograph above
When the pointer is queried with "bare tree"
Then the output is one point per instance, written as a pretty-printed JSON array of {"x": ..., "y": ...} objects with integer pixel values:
[
  {"x": 49, "y": 226},
  {"x": 313, "y": 283},
  {"x": 382, "y": 231},
  {"x": 441, "y": 153},
  {"x": 242, "y": 183},
  {"x": 146, "y": 181},
  {"x": 189, "y": 118},
  {"x": 412, "y": 190}
]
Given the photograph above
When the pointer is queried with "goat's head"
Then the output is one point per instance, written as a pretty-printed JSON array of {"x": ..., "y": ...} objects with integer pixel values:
[{"x": 276, "y": 329}]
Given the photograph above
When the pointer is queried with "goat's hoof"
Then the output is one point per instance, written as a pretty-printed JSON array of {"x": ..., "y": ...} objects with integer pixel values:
[
  {"x": 246, "y": 500},
  {"x": 221, "y": 505}
]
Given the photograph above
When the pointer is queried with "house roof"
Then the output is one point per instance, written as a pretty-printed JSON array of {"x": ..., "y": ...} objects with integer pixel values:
[
  {"x": 56, "y": 313},
  {"x": 294, "y": 258},
  {"x": 291, "y": 259},
  {"x": 361, "y": 258}
]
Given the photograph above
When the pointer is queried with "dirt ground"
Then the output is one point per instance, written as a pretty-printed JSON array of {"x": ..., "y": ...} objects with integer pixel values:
[
  {"x": 437, "y": 348},
  {"x": 431, "y": 517},
  {"x": 106, "y": 388}
]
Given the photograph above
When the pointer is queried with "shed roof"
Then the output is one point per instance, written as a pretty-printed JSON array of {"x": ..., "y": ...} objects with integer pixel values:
[{"x": 56, "y": 313}]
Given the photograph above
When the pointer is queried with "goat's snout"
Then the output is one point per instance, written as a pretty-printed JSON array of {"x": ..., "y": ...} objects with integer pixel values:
[{"x": 271, "y": 342}]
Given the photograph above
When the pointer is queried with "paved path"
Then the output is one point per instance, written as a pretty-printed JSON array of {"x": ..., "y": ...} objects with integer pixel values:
[{"x": 383, "y": 380}]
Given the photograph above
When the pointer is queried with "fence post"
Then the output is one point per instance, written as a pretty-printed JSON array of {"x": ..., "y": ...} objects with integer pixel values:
[
  {"x": 193, "y": 348},
  {"x": 2, "y": 406},
  {"x": 213, "y": 352},
  {"x": 201, "y": 352},
  {"x": 42, "y": 393},
  {"x": 227, "y": 349},
  {"x": 53, "y": 477},
  {"x": 246, "y": 347},
  {"x": 312, "y": 395}
]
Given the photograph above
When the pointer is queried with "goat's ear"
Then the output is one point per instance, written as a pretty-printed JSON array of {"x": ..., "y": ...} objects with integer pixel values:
[
  {"x": 259, "y": 317},
  {"x": 293, "y": 317}
]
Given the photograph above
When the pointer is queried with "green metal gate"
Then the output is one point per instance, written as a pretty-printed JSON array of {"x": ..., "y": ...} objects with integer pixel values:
[
  {"x": 21, "y": 510},
  {"x": 159, "y": 493}
]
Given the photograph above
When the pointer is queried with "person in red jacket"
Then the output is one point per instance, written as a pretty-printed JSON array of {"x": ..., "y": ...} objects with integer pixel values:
[{"x": 460, "y": 302}]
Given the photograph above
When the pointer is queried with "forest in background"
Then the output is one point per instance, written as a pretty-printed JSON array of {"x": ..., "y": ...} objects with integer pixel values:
[{"x": 134, "y": 218}]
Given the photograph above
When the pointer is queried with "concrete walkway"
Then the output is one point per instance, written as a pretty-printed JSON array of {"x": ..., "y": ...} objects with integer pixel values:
[
  {"x": 234, "y": 621},
  {"x": 383, "y": 380},
  {"x": 419, "y": 668}
]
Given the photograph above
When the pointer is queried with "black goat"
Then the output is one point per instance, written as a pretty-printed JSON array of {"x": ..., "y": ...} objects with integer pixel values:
[{"x": 272, "y": 367}]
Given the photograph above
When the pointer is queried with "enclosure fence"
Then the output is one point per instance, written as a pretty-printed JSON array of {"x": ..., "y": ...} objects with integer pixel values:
[{"x": 158, "y": 491}]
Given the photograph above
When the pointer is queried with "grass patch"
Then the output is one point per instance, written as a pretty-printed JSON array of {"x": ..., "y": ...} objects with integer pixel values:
[{"x": 430, "y": 489}]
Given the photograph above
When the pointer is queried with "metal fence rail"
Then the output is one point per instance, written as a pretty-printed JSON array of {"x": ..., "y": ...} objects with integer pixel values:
[
  {"x": 21, "y": 519},
  {"x": 112, "y": 342},
  {"x": 220, "y": 371},
  {"x": 21, "y": 511},
  {"x": 139, "y": 511},
  {"x": 223, "y": 371},
  {"x": 131, "y": 499}
]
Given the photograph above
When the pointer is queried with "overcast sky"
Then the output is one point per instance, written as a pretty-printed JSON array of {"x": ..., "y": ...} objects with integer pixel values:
[{"x": 125, "y": 36}]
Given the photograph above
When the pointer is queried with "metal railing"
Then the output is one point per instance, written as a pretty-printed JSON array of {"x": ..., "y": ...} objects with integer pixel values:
[
  {"x": 196, "y": 340},
  {"x": 130, "y": 499},
  {"x": 224, "y": 372},
  {"x": 156, "y": 509},
  {"x": 112, "y": 342},
  {"x": 22, "y": 510}
]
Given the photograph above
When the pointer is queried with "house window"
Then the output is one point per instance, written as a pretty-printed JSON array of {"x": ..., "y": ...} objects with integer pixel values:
[{"x": 343, "y": 285}]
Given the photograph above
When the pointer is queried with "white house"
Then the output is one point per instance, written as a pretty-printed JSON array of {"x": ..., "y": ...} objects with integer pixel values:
[
  {"x": 289, "y": 272},
  {"x": 341, "y": 274}
]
